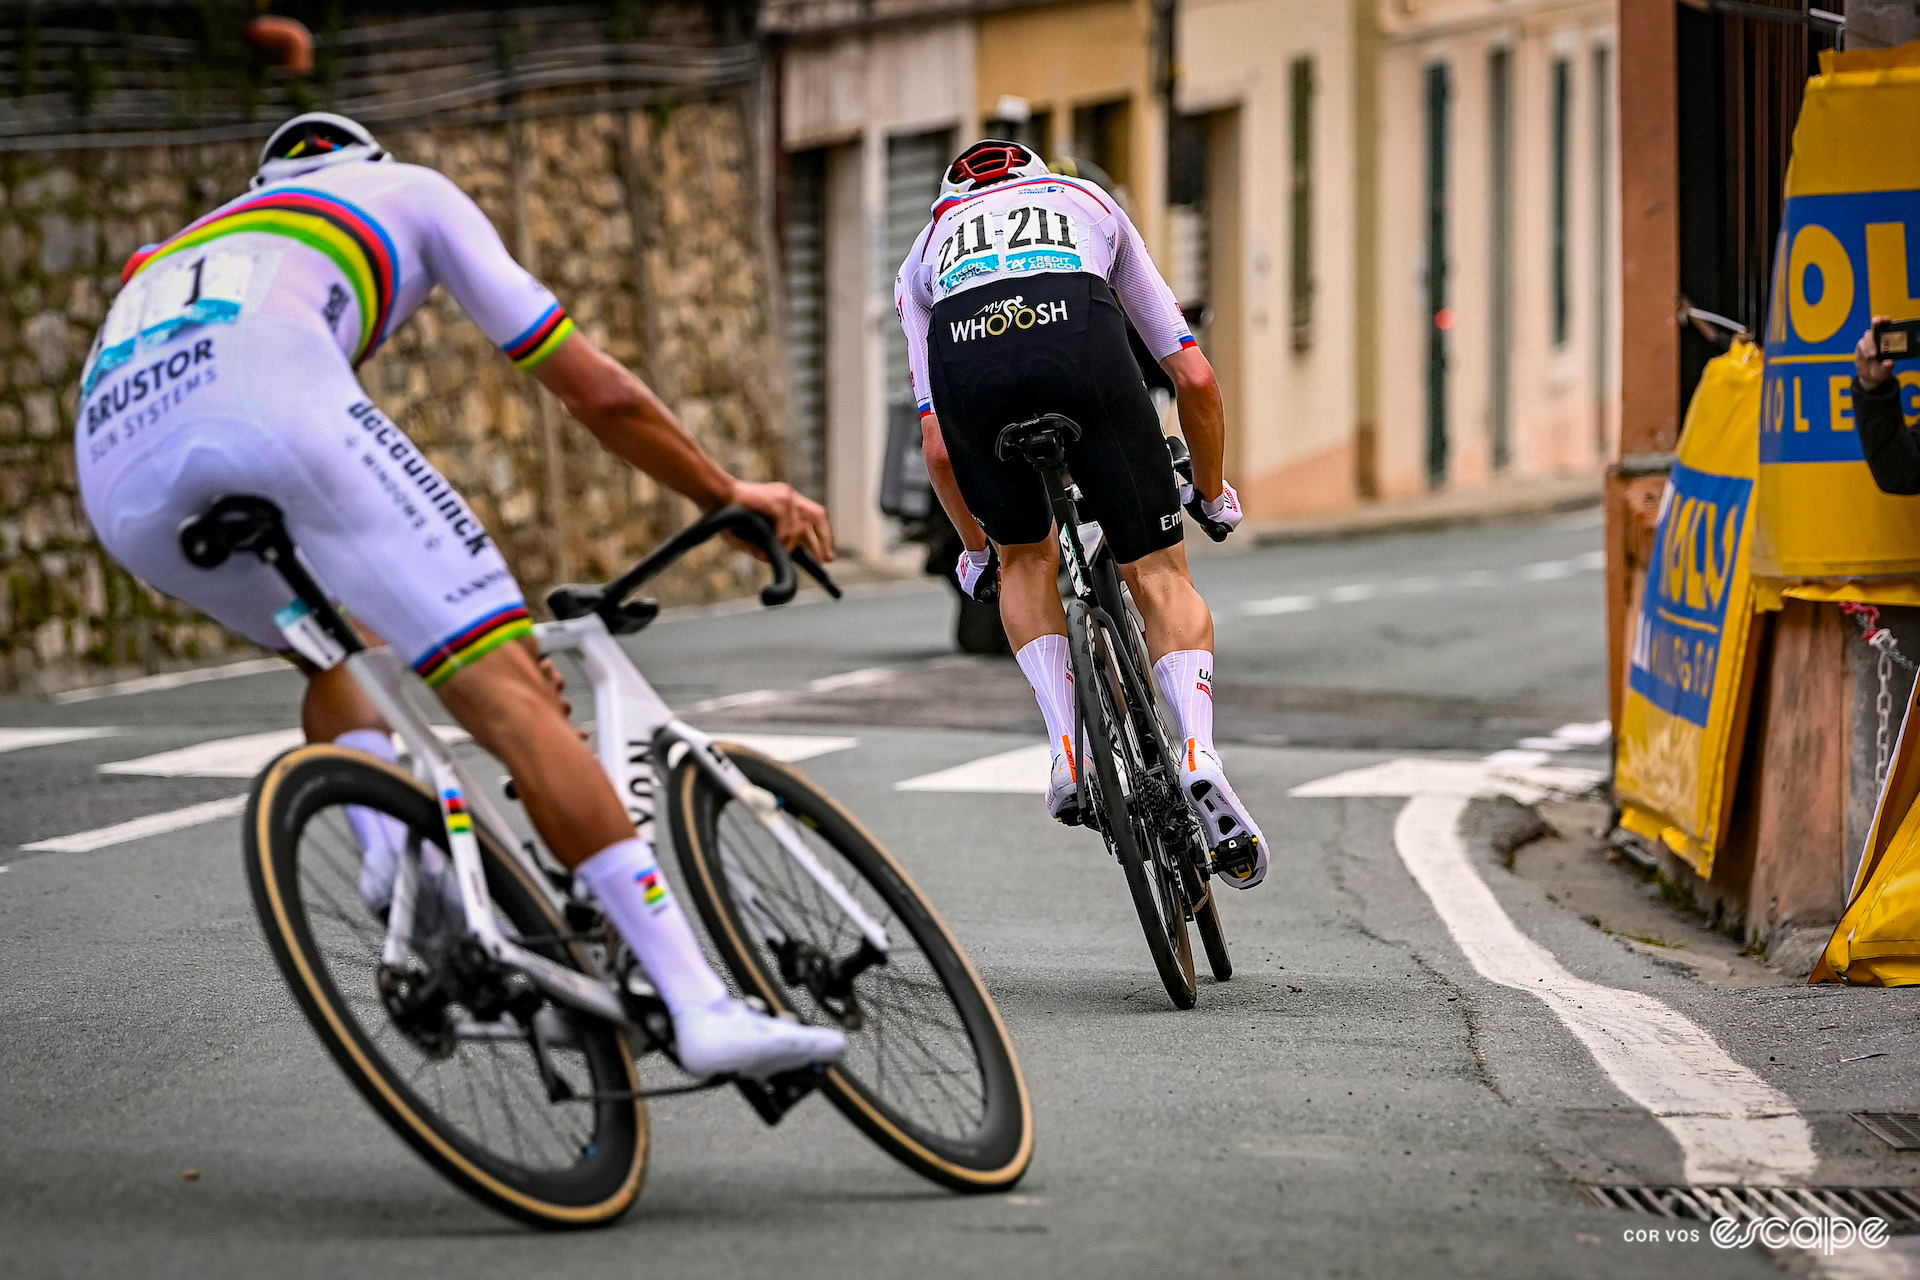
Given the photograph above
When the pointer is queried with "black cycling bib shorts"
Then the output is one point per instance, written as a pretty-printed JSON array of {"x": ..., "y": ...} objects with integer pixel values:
[{"x": 1051, "y": 343}]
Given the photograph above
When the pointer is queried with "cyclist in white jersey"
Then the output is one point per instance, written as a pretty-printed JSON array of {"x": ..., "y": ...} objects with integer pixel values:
[
  {"x": 1011, "y": 299},
  {"x": 226, "y": 366}
]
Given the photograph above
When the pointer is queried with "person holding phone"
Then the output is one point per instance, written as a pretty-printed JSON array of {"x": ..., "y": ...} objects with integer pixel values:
[{"x": 1891, "y": 447}]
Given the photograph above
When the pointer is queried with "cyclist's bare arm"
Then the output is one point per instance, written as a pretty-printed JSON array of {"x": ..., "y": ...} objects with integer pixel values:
[
  {"x": 1203, "y": 418},
  {"x": 634, "y": 425},
  {"x": 945, "y": 487}
]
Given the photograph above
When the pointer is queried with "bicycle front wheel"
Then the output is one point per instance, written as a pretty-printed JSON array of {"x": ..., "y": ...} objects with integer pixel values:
[
  {"x": 461, "y": 1084},
  {"x": 929, "y": 1073}
]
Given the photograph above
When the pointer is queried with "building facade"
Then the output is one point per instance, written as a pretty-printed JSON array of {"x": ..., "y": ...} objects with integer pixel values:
[
  {"x": 1394, "y": 222},
  {"x": 1496, "y": 235}
]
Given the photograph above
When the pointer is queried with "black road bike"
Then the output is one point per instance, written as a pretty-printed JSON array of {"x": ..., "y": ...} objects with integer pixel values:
[{"x": 1129, "y": 766}]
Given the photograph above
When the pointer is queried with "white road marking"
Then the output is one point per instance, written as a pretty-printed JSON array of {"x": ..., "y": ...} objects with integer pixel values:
[
  {"x": 1523, "y": 759},
  {"x": 21, "y": 739},
  {"x": 1462, "y": 779},
  {"x": 789, "y": 747},
  {"x": 850, "y": 679},
  {"x": 1731, "y": 1126},
  {"x": 153, "y": 824},
  {"x": 1022, "y": 771},
  {"x": 239, "y": 757},
  {"x": 1591, "y": 734},
  {"x": 727, "y": 702},
  {"x": 1355, "y": 592},
  {"x": 174, "y": 679},
  {"x": 1279, "y": 604}
]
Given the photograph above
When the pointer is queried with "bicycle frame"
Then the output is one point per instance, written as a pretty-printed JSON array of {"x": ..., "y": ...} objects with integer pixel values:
[{"x": 636, "y": 738}]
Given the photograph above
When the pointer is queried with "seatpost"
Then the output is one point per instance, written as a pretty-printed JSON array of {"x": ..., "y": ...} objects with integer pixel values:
[{"x": 275, "y": 550}]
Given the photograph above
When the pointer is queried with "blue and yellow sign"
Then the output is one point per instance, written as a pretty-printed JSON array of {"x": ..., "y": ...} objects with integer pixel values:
[
  {"x": 1676, "y": 644},
  {"x": 1849, "y": 250},
  {"x": 1687, "y": 676}
]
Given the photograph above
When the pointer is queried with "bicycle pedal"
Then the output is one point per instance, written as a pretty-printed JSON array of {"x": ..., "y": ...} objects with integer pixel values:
[
  {"x": 1236, "y": 857},
  {"x": 777, "y": 1095}
]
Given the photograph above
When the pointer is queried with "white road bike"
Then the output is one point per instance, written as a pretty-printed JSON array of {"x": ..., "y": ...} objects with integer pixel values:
[{"x": 494, "y": 1019}]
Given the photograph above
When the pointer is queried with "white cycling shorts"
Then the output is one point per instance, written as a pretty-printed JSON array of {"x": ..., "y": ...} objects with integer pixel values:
[{"x": 271, "y": 409}]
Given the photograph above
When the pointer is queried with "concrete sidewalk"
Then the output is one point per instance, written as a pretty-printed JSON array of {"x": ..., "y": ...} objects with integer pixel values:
[{"x": 1502, "y": 500}]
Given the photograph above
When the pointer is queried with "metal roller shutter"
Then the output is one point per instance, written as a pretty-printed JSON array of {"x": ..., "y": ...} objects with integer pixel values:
[
  {"x": 914, "y": 165},
  {"x": 805, "y": 236}
]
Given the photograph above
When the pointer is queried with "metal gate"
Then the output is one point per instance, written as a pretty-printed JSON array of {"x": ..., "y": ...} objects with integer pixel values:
[
  {"x": 1742, "y": 71},
  {"x": 805, "y": 236}
]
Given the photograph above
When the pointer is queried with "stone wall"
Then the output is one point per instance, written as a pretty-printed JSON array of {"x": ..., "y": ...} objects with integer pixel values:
[{"x": 647, "y": 224}]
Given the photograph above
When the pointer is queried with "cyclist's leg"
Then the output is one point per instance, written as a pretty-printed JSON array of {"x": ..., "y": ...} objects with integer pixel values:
[
  {"x": 420, "y": 571},
  {"x": 977, "y": 392},
  {"x": 1123, "y": 469},
  {"x": 1036, "y": 624}
]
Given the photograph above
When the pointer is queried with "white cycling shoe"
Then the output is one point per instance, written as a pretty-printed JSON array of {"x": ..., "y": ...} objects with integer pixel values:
[
  {"x": 728, "y": 1038},
  {"x": 1239, "y": 850},
  {"x": 1063, "y": 792}
]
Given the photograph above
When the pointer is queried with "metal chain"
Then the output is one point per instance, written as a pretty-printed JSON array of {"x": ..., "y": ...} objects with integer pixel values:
[
  {"x": 1883, "y": 708},
  {"x": 1881, "y": 640}
]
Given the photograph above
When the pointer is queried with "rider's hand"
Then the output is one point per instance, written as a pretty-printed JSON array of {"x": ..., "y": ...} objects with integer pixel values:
[
  {"x": 797, "y": 520},
  {"x": 973, "y": 569},
  {"x": 1186, "y": 493},
  {"x": 1224, "y": 509},
  {"x": 1868, "y": 367}
]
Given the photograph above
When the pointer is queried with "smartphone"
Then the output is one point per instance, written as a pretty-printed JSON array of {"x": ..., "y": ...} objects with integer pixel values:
[{"x": 1897, "y": 339}]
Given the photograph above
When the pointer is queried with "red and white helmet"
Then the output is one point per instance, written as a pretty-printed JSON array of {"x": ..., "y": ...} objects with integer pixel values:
[{"x": 989, "y": 161}]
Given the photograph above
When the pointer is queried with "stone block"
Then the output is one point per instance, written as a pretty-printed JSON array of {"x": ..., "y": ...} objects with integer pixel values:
[
  {"x": 43, "y": 415},
  {"x": 13, "y": 250},
  {"x": 46, "y": 338}
]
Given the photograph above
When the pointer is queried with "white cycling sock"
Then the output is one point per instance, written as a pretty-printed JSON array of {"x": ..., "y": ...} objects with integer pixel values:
[
  {"x": 1048, "y": 670},
  {"x": 626, "y": 878},
  {"x": 378, "y": 834},
  {"x": 1186, "y": 678}
]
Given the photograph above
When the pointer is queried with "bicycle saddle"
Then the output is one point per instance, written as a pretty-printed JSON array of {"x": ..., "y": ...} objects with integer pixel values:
[
  {"x": 239, "y": 522},
  {"x": 1040, "y": 440}
]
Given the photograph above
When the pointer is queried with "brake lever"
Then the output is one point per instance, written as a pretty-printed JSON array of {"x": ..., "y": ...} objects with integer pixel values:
[{"x": 816, "y": 571}]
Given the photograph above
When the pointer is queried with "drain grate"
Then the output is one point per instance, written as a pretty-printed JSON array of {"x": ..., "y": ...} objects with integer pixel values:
[
  {"x": 1899, "y": 1206},
  {"x": 1898, "y": 1129}
]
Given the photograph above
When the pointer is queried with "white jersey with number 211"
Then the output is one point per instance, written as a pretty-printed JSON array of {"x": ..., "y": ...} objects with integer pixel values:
[{"x": 1031, "y": 227}]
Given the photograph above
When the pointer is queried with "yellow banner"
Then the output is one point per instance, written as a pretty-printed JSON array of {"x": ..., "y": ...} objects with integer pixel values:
[
  {"x": 1877, "y": 942},
  {"x": 1688, "y": 679},
  {"x": 1847, "y": 252}
]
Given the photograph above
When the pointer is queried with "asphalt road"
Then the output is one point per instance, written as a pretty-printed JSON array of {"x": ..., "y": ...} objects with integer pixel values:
[{"x": 1378, "y": 1092}]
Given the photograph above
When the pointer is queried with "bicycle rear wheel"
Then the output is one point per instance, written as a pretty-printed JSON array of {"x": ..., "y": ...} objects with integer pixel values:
[
  {"x": 463, "y": 1089},
  {"x": 1120, "y": 773},
  {"x": 929, "y": 1073}
]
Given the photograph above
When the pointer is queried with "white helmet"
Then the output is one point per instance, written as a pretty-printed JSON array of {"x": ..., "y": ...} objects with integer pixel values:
[
  {"x": 314, "y": 140},
  {"x": 989, "y": 161}
]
